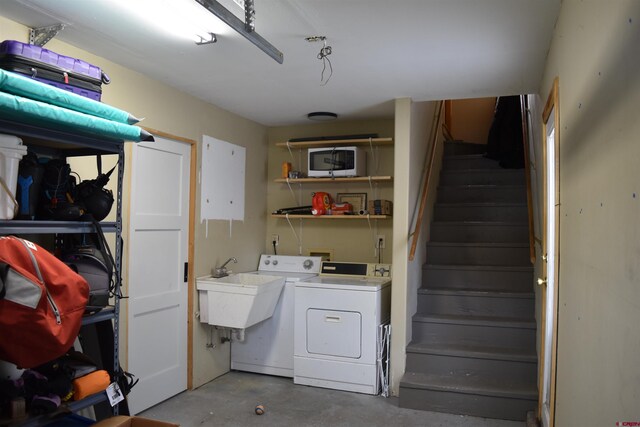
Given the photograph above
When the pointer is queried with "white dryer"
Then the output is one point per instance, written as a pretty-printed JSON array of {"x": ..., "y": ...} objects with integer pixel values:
[
  {"x": 267, "y": 347},
  {"x": 337, "y": 320}
]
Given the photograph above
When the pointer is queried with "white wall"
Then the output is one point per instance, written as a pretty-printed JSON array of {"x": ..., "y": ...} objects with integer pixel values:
[
  {"x": 169, "y": 110},
  {"x": 595, "y": 55},
  {"x": 413, "y": 122}
]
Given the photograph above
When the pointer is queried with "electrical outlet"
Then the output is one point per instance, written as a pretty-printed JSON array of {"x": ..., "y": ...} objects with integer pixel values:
[
  {"x": 380, "y": 241},
  {"x": 275, "y": 238}
]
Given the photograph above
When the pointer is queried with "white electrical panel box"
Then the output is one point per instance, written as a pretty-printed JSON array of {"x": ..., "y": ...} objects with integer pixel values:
[{"x": 222, "y": 180}]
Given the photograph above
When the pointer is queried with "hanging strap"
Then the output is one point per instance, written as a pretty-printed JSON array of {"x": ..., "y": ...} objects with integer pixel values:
[
  {"x": 99, "y": 163},
  {"x": 11, "y": 196},
  {"x": 103, "y": 246}
]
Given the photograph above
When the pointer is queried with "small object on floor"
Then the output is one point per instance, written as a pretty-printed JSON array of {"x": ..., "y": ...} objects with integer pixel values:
[{"x": 259, "y": 409}]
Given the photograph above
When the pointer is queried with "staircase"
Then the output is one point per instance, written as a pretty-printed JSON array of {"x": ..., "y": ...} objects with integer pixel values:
[{"x": 473, "y": 345}]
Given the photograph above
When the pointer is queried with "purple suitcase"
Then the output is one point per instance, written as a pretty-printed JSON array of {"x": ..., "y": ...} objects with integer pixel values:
[{"x": 61, "y": 71}]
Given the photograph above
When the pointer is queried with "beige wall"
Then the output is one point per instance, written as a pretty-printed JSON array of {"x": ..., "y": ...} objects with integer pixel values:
[
  {"x": 350, "y": 240},
  {"x": 413, "y": 122},
  {"x": 177, "y": 113},
  {"x": 595, "y": 55},
  {"x": 471, "y": 119}
]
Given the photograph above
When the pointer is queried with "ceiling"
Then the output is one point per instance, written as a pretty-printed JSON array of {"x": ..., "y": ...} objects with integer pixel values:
[{"x": 381, "y": 50}]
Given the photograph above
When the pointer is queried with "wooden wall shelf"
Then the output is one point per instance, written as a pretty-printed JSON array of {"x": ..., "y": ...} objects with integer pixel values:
[
  {"x": 336, "y": 142},
  {"x": 330, "y": 217},
  {"x": 336, "y": 180}
]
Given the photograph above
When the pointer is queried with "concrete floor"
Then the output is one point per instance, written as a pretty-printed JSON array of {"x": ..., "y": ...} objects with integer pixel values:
[{"x": 231, "y": 399}]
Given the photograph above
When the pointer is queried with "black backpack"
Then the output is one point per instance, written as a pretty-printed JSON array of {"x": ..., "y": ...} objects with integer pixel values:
[{"x": 89, "y": 256}]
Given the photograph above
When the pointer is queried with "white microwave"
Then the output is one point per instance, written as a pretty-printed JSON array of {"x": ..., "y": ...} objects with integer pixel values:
[{"x": 337, "y": 162}]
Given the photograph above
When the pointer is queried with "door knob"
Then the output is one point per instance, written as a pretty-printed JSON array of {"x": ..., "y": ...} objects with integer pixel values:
[
  {"x": 542, "y": 282},
  {"x": 545, "y": 257}
]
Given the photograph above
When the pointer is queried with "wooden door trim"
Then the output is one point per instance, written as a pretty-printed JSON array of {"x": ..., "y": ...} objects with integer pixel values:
[
  {"x": 552, "y": 105},
  {"x": 190, "y": 243}
]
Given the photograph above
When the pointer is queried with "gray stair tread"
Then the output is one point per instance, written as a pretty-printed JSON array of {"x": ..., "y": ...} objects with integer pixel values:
[
  {"x": 470, "y": 384},
  {"x": 480, "y": 204},
  {"x": 489, "y": 293},
  {"x": 464, "y": 349},
  {"x": 463, "y": 142},
  {"x": 465, "y": 319},
  {"x": 466, "y": 156},
  {"x": 482, "y": 186},
  {"x": 482, "y": 244},
  {"x": 458, "y": 223},
  {"x": 483, "y": 171},
  {"x": 478, "y": 267}
]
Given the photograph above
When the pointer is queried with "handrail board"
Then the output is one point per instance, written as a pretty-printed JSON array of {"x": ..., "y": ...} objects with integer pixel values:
[
  {"x": 436, "y": 130},
  {"x": 527, "y": 169}
]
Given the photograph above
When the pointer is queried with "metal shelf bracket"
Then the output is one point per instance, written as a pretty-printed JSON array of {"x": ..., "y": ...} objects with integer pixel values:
[{"x": 41, "y": 36}]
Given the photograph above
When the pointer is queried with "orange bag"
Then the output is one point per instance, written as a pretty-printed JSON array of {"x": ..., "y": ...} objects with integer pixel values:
[
  {"x": 321, "y": 203},
  {"x": 42, "y": 306},
  {"x": 92, "y": 383}
]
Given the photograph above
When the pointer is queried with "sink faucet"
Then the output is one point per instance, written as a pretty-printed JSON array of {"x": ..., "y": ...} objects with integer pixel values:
[{"x": 222, "y": 270}]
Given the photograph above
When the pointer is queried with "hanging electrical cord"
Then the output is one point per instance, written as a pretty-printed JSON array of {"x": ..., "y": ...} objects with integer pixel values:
[
  {"x": 323, "y": 56},
  {"x": 298, "y": 238}
]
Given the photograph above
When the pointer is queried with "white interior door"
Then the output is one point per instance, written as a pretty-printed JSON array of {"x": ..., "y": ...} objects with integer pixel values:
[{"x": 157, "y": 304}]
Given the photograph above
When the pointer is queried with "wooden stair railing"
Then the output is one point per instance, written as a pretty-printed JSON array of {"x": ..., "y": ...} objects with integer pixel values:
[
  {"x": 436, "y": 130},
  {"x": 524, "y": 108}
]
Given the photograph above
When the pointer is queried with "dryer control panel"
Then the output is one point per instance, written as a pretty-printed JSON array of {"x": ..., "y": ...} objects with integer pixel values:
[
  {"x": 355, "y": 269},
  {"x": 379, "y": 270}
]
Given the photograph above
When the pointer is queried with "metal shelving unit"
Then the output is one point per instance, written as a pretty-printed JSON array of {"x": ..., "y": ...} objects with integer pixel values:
[{"x": 63, "y": 143}]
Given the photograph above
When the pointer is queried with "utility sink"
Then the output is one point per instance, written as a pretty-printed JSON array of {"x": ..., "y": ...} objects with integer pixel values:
[{"x": 239, "y": 300}]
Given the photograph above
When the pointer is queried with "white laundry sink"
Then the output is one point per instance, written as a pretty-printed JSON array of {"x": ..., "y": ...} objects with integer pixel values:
[{"x": 239, "y": 300}]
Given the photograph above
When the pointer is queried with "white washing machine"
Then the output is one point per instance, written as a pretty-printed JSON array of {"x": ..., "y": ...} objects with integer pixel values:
[
  {"x": 267, "y": 347},
  {"x": 337, "y": 318}
]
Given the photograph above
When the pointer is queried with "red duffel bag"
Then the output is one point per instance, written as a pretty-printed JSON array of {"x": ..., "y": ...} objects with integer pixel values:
[{"x": 43, "y": 303}]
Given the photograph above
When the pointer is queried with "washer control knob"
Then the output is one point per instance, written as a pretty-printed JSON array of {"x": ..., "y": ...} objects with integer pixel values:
[
  {"x": 275, "y": 262},
  {"x": 307, "y": 264},
  {"x": 267, "y": 262}
]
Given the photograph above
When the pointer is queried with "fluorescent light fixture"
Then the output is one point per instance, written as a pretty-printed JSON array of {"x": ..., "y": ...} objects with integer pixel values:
[
  {"x": 244, "y": 28},
  {"x": 180, "y": 18}
]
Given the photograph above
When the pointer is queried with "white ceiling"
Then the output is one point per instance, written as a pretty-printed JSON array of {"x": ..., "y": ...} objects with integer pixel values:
[{"x": 381, "y": 50}]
